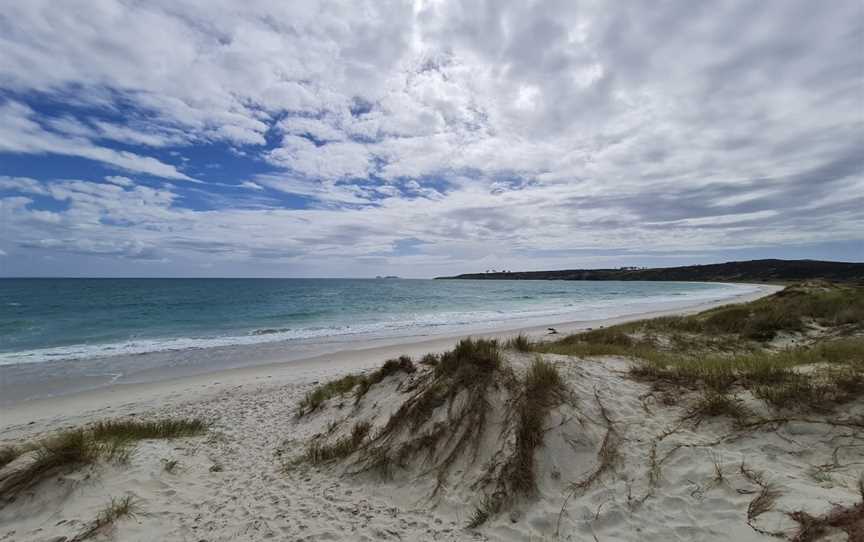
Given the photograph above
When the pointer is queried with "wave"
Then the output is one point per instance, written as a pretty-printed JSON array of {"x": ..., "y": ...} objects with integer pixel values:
[{"x": 395, "y": 326}]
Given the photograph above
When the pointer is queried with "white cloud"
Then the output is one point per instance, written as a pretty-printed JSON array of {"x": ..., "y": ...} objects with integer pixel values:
[
  {"x": 20, "y": 133},
  {"x": 484, "y": 130}
]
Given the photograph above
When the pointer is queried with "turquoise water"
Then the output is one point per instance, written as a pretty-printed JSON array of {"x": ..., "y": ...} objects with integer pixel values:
[{"x": 45, "y": 320}]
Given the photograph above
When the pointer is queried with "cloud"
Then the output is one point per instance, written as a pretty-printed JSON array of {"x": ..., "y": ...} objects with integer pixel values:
[
  {"x": 506, "y": 130},
  {"x": 21, "y": 133}
]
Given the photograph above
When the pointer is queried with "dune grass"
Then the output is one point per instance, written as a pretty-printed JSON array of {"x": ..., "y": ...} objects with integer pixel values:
[
  {"x": 75, "y": 448},
  {"x": 735, "y": 328},
  {"x": 67, "y": 450},
  {"x": 723, "y": 350},
  {"x": 835, "y": 375},
  {"x": 315, "y": 398},
  {"x": 358, "y": 383},
  {"x": 544, "y": 389},
  {"x": 791, "y": 309},
  {"x": 319, "y": 452},
  {"x": 712, "y": 404},
  {"x": 459, "y": 380},
  {"x": 132, "y": 430},
  {"x": 114, "y": 511},
  {"x": 520, "y": 343}
]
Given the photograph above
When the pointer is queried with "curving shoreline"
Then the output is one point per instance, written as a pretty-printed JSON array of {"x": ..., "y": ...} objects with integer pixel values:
[{"x": 119, "y": 398}]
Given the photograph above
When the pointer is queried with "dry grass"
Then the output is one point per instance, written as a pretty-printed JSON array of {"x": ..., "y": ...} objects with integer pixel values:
[
  {"x": 543, "y": 390},
  {"x": 73, "y": 449},
  {"x": 444, "y": 420},
  {"x": 712, "y": 404},
  {"x": 732, "y": 329},
  {"x": 132, "y": 430},
  {"x": 319, "y": 452},
  {"x": 65, "y": 451},
  {"x": 836, "y": 375},
  {"x": 124, "y": 507},
  {"x": 520, "y": 343},
  {"x": 402, "y": 364},
  {"x": 358, "y": 383},
  {"x": 315, "y": 398},
  {"x": 849, "y": 519}
]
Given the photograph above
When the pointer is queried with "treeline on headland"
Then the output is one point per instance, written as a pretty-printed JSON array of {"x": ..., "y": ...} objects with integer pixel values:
[{"x": 749, "y": 271}]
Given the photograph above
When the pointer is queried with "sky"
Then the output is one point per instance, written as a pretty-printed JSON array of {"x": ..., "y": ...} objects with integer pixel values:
[{"x": 338, "y": 139}]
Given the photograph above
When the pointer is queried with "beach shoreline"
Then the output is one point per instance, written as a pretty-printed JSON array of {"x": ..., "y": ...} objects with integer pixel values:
[{"x": 22, "y": 417}]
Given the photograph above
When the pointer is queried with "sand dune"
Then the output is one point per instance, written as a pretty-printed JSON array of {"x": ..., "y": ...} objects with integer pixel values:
[{"x": 618, "y": 461}]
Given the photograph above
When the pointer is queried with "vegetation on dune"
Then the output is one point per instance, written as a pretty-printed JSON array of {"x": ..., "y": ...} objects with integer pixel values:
[
  {"x": 75, "y": 448},
  {"x": 730, "y": 328},
  {"x": 315, "y": 398},
  {"x": 446, "y": 417},
  {"x": 725, "y": 359},
  {"x": 520, "y": 343},
  {"x": 116, "y": 510},
  {"x": 835, "y": 375},
  {"x": 357, "y": 383},
  {"x": 544, "y": 389},
  {"x": 724, "y": 349},
  {"x": 131, "y": 430},
  {"x": 459, "y": 379},
  {"x": 320, "y": 452}
]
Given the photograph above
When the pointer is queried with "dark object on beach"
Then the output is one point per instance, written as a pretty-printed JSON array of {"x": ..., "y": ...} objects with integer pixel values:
[{"x": 552, "y": 331}]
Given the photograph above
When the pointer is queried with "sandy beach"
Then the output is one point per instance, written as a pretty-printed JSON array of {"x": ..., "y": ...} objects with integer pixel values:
[
  {"x": 238, "y": 482},
  {"x": 122, "y": 399}
]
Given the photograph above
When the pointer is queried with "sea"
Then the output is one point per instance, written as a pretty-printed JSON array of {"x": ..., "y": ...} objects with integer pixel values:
[{"x": 99, "y": 331}]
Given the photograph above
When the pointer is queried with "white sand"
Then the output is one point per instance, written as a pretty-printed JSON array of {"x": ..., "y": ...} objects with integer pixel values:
[{"x": 251, "y": 496}]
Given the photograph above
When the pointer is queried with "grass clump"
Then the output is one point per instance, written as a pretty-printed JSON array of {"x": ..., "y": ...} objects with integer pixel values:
[
  {"x": 76, "y": 448},
  {"x": 315, "y": 398},
  {"x": 544, "y": 389},
  {"x": 470, "y": 358},
  {"x": 318, "y": 452},
  {"x": 520, "y": 343},
  {"x": 132, "y": 430},
  {"x": 115, "y": 510},
  {"x": 359, "y": 383},
  {"x": 712, "y": 404},
  {"x": 458, "y": 381},
  {"x": 402, "y": 364},
  {"x": 65, "y": 451}
]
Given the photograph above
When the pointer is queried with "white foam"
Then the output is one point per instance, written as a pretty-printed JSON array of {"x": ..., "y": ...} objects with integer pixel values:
[{"x": 398, "y": 325}]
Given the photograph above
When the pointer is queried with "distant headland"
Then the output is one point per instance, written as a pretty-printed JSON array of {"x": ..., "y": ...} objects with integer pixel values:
[{"x": 746, "y": 271}]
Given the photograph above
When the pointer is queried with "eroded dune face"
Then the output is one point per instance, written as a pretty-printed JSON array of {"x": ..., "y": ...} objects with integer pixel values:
[{"x": 617, "y": 457}]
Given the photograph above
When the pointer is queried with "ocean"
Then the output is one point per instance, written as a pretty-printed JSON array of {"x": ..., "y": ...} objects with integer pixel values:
[{"x": 68, "y": 328}]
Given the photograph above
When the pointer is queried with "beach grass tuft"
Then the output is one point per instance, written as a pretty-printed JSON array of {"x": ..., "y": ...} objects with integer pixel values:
[
  {"x": 520, "y": 343},
  {"x": 543, "y": 389},
  {"x": 75, "y": 448},
  {"x": 319, "y": 452},
  {"x": 117, "y": 509},
  {"x": 315, "y": 398},
  {"x": 358, "y": 383},
  {"x": 132, "y": 430}
]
